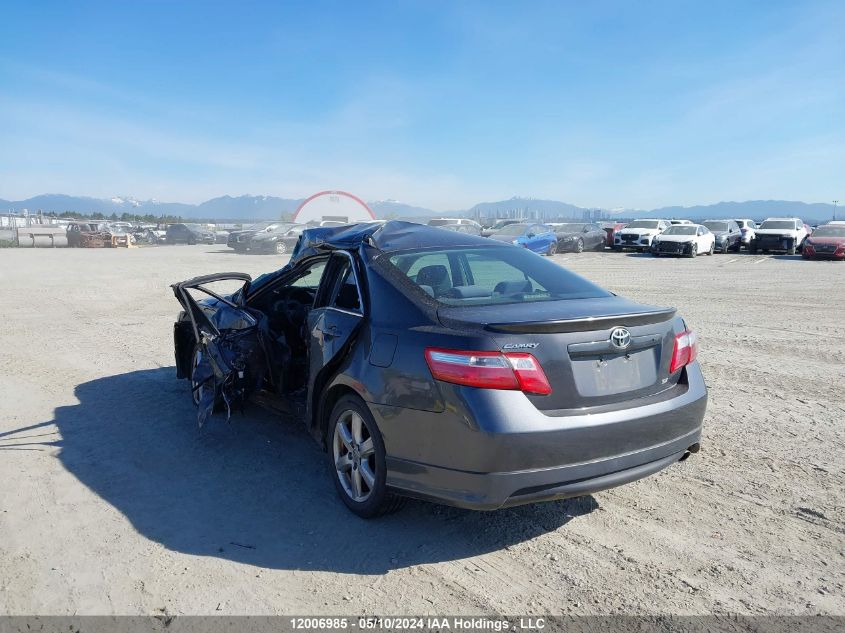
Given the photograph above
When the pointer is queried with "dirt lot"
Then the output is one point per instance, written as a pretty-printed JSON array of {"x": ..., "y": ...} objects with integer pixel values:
[{"x": 111, "y": 501}]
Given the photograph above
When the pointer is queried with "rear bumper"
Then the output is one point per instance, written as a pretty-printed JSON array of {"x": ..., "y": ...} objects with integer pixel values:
[{"x": 499, "y": 450}]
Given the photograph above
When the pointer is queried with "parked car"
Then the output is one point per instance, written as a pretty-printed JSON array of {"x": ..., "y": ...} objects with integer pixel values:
[
  {"x": 471, "y": 226},
  {"x": 578, "y": 236},
  {"x": 221, "y": 236},
  {"x": 239, "y": 240},
  {"x": 688, "y": 240},
  {"x": 727, "y": 233},
  {"x": 448, "y": 367},
  {"x": 779, "y": 234},
  {"x": 748, "y": 230},
  {"x": 279, "y": 239},
  {"x": 188, "y": 234},
  {"x": 611, "y": 232},
  {"x": 826, "y": 242},
  {"x": 487, "y": 231},
  {"x": 460, "y": 228},
  {"x": 639, "y": 234},
  {"x": 674, "y": 222},
  {"x": 88, "y": 235},
  {"x": 535, "y": 237},
  {"x": 151, "y": 236}
]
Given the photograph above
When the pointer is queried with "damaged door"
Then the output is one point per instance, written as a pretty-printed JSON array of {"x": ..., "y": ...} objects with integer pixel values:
[
  {"x": 337, "y": 314},
  {"x": 224, "y": 342}
]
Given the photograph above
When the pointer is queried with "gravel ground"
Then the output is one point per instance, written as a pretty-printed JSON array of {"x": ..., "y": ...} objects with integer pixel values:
[{"x": 112, "y": 502}]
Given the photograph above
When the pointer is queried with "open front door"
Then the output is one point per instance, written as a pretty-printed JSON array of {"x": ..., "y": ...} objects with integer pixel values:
[
  {"x": 333, "y": 322},
  {"x": 223, "y": 345}
]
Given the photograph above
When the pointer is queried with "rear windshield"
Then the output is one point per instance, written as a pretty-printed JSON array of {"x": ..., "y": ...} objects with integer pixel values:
[
  {"x": 778, "y": 224},
  {"x": 491, "y": 275},
  {"x": 829, "y": 231},
  {"x": 569, "y": 228},
  {"x": 716, "y": 226},
  {"x": 681, "y": 229},
  {"x": 643, "y": 224}
]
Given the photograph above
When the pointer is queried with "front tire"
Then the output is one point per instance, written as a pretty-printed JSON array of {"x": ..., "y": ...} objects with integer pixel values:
[
  {"x": 725, "y": 247},
  {"x": 693, "y": 251},
  {"x": 791, "y": 249},
  {"x": 579, "y": 246},
  {"x": 281, "y": 248},
  {"x": 713, "y": 249},
  {"x": 357, "y": 455},
  {"x": 552, "y": 249}
]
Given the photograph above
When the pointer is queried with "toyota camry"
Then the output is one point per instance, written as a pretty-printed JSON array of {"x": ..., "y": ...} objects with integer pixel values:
[{"x": 447, "y": 367}]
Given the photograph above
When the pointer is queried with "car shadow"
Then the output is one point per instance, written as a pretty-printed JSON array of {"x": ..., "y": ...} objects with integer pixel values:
[{"x": 256, "y": 490}]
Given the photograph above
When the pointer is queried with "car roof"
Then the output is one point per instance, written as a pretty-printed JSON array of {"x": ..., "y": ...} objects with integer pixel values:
[
  {"x": 394, "y": 235},
  {"x": 781, "y": 219}
]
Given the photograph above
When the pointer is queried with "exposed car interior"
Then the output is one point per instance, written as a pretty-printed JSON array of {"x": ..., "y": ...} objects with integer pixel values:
[{"x": 327, "y": 282}]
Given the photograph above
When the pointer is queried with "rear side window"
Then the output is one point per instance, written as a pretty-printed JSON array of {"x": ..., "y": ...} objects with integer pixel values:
[{"x": 491, "y": 275}]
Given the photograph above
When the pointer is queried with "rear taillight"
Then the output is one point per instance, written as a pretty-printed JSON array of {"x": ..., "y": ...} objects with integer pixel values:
[
  {"x": 488, "y": 370},
  {"x": 686, "y": 350}
]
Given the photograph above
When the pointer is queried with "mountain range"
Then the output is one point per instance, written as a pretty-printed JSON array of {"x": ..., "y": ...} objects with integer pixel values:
[{"x": 248, "y": 207}]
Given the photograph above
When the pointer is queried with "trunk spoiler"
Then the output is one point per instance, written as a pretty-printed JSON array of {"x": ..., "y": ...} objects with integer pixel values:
[{"x": 583, "y": 324}]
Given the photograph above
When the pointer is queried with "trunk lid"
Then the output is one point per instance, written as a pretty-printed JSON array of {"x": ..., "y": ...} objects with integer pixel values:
[{"x": 572, "y": 341}]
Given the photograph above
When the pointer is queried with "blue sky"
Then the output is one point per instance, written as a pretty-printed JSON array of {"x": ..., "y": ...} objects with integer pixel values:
[{"x": 440, "y": 104}]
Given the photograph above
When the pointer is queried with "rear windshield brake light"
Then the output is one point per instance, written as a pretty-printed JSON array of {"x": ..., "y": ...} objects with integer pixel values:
[{"x": 488, "y": 370}]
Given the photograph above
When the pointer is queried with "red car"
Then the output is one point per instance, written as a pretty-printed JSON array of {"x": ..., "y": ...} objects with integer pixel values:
[
  {"x": 827, "y": 242},
  {"x": 611, "y": 232}
]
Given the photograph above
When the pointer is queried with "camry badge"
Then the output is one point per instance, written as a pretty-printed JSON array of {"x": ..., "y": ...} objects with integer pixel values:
[
  {"x": 520, "y": 345},
  {"x": 620, "y": 338}
]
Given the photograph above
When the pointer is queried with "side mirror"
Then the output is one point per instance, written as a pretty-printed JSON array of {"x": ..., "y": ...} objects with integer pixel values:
[{"x": 530, "y": 235}]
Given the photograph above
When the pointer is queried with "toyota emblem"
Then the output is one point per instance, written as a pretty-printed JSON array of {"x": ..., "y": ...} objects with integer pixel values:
[{"x": 620, "y": 338}]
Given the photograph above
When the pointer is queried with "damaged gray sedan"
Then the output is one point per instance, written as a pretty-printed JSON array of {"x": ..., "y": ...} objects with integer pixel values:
[{"x": 444, "y": 366}]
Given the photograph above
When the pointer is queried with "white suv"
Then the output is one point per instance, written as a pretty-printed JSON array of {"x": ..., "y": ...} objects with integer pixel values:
[
  {"x": 780, "y": 234},
  {"x": 639, "y": 234},
  {"x": 748, "y": 229}
]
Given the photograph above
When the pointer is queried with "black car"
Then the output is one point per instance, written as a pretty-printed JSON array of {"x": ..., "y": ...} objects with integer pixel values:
[
  {"x": 576, "y": 237},
  {"x": 279, "y": 239},
  {"x": 727, "y": 233},
  {"x": 188, "y": 234},
  {"x": 448, "y": 367},
  {"x": 239, "y": 240}
]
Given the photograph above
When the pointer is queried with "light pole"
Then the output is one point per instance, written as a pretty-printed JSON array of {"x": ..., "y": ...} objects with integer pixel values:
[{"x": 834, "y": 209}]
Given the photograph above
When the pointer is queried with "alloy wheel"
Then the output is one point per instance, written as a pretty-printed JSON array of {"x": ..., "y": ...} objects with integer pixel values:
[
  {"x": 281, "y": 248},
  {"x": 579, "y": 246},
  {"x": 354, "y": 456}
]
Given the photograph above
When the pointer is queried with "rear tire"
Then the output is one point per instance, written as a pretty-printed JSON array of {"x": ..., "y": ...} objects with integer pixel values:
[
  {"x": 357, "y": 458},
  {"x": 724, "y": 248},
  {"x": 713, "y": 249}
]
